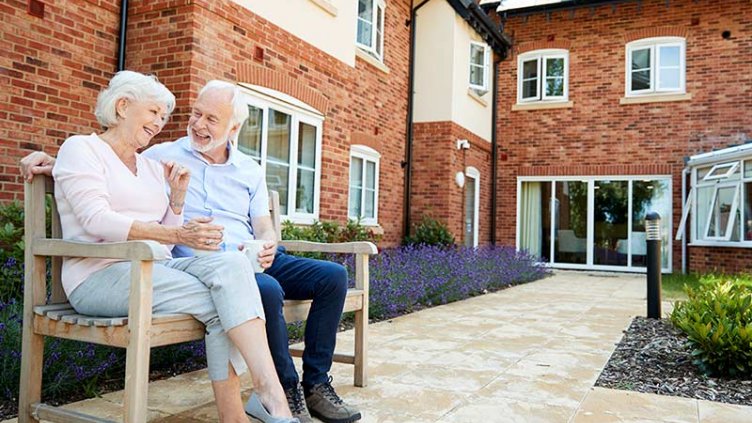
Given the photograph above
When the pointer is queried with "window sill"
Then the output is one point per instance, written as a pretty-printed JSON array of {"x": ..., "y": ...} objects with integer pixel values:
[
  {"x": 327, "y": 6},
  {"x": 543, "y": 105},
  {"x": 724, "y": 244},
  {"x": 653, "y": 98},
  {"x": 477, "y": 97},
  {"x": 360, "y": 54}
]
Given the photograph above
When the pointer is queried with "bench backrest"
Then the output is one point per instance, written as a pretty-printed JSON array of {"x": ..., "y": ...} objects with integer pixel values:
[{"x": 34, "y": 226}]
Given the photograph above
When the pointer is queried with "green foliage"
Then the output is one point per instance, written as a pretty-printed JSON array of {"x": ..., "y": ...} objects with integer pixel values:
[
  {"x": 328, "y": 232},
  {"x": 11, "y": 250},
  {"x": 717, "y": 318},
  {"x": 430, "y": 231}
]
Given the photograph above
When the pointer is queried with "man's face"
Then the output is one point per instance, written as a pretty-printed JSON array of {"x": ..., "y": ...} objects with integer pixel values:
[{"x": 210, "y": 125}]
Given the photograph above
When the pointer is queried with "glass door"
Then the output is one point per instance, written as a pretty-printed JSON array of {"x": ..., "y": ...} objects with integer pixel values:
[{"x": 570, "y": 217}]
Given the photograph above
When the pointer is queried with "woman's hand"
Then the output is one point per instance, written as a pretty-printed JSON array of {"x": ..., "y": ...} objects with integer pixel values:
[
  {"x": 178, "y": 178},
  {"x": 200, "y": 234},
  {"x": 36, "y": 163}
]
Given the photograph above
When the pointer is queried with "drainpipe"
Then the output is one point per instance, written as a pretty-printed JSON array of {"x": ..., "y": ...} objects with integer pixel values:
[
  {"x": 122, "y": 33},
  {"x": 494, "y": 149},
  {"x": 685, "y": 172},
  {"x": 408, "y": 163}
]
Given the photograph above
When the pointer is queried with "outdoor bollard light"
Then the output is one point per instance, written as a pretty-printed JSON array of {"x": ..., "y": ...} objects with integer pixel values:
[{"x": 653, "y": 240}]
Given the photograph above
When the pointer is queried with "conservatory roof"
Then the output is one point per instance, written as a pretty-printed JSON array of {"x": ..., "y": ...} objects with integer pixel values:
[{"x": 730, "y": 153}]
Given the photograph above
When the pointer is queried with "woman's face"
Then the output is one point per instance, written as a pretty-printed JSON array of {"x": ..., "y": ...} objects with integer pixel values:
[{"x": 142, "y": 120}]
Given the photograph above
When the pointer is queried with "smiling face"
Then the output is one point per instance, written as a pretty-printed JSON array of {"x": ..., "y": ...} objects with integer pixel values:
[
  {"x": 210, "y": 126},
  {"x": 141, "y": 120}
]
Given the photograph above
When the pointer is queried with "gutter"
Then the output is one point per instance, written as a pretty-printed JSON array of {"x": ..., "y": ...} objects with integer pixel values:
[
  {"x": 122, "y": 35},
  {"x": 408, "y": 163}
]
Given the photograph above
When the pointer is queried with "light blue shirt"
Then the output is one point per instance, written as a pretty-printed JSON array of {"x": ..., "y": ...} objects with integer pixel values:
[{"x": 232, "y": 192}]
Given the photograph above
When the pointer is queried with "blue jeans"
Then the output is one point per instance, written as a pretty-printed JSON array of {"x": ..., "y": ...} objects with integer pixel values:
[{"x": 297, "y": 278}]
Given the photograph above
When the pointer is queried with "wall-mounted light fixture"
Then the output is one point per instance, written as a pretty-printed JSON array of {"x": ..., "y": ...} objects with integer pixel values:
[
  {"x": 459, "y": 179},
  {"x": 463, "y": 144}
]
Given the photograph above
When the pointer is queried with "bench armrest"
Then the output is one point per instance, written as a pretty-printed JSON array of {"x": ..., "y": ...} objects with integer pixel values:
[
  {"x": 129, "y": 250},
  {"x": 357, "y": 247}
]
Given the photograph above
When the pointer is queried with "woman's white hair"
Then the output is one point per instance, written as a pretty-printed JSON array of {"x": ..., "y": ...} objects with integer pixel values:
[
  {"x": 239, "y": 106},
  {"x": 133, "y": 86}
]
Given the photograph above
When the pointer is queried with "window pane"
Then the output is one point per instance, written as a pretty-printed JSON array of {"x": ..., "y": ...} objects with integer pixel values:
[
  {"x": 641, "y": 80},
  {"x": 277, "y": 177},
  {"x": 721, "y": 212},
  {"x": 278, "y": 138},
  {"x": 641, "y": 59},
  {"x": 570, "y": 222},
  {"x": 669, "y": 78},
  {"x": 476, "y": 75},
  {"x": 307, "y": 145},
  {"x": 554, "y": 86},
  {"x": 530, "y": 69},
  {"x": 530, "y": 89},
  {"x": 304, "y": 191},
  {"x": 648, "y": 196},
  {"x": 355, "y": 197},
  {"x": 356, "y": 172},
  {"x": 370, "y": 175},
  {"x": 748, "y": 168},
  {"x": 555, "y": 67},
  {"x": 704, "y": 197},
  {"x": 535, "y": 219},
  {"x": 379, "y": 29},
  {"x": 249, "y": 138},
  {"x": 669, "y": 55},
  {"x": 365, "y": 21},
  {"x": 370, "y": 204},
  {"x": 477, "y": 54},
  {"x": 611, "y": 220}
]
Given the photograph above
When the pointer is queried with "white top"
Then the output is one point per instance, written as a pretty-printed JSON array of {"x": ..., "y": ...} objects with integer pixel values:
[{"x": 99, "y": 198}]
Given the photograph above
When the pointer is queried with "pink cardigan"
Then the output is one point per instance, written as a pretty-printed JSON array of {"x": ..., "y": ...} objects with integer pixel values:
[{"x": 99, "y": 198}]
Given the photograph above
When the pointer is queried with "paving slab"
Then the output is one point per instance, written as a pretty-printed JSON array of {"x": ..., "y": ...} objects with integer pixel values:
[{"x": 530, "y": 353}]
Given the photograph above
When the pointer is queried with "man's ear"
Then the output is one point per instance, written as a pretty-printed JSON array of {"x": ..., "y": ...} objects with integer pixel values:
[
  {"x": 121, "y": 106},
  {"x": 233, "y": 131}
]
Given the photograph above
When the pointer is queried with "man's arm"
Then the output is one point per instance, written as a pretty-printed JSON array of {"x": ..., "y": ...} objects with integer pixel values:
[
  {"x": 263, "y": 228},
  {"x": 37, "y": 163}
]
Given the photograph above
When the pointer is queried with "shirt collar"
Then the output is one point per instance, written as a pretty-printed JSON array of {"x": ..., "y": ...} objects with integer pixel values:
[{"x": 232, "y": 158}]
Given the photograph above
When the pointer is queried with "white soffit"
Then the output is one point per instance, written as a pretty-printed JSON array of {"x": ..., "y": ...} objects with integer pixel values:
[{"x": 518, "y": 4}]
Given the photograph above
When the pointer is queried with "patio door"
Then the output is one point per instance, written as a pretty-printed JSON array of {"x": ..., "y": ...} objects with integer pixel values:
[
  {"x": 472, "y": 191},
  {"x": 592, "y": 223}
]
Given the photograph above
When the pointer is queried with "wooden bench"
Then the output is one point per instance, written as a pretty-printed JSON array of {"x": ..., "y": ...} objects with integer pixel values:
[{"x": 140, "y": 330}]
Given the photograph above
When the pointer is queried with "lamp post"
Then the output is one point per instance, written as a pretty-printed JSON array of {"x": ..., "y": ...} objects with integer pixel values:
[{"x": 653, "y": 240}]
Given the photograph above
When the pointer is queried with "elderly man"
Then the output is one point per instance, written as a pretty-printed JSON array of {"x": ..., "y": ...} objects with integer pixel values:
[{"x": 230, "y": 187}]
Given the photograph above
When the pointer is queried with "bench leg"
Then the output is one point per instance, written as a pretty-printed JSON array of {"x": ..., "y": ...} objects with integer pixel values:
[
  {"x": 361, "y": 362},
  {"x": 30, "y": 390},
  {"x": 135, "y": 401}
]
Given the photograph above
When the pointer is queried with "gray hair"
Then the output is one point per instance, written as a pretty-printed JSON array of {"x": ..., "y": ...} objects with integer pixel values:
[
  {"x": 132, "y": 86},
  {"x": 239, "y": 107}
]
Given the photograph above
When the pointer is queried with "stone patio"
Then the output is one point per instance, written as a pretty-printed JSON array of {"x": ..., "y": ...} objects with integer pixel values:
[{"x": 531, "y": 353}]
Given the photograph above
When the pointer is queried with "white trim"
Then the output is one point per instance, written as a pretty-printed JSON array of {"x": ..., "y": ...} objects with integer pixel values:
[
  {"x": 298, "y": 115},
  {"x": 541, "y": 56},
  {"x": 366, "y": 154},
  {"x": 280, "y": 99},
  {"x": 485, "y": 66},
  {"x": 653, "y": 45},
  {"x": 731, "y": 168},
  {"x": 378, "y": 53},
  {"x": 473, "y": 173}
]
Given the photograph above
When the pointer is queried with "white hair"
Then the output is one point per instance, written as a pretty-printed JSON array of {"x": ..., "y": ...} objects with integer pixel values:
[
  {"x": 239, "y": 107},
  {"x": 133, "y": 86}
]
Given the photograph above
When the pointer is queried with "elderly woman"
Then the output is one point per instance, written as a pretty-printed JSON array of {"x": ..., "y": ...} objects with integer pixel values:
[{"x": 108, "y": 192}]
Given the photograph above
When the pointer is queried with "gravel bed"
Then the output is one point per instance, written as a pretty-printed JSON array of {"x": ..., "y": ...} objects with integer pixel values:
[{"x": 654, "y": 357}]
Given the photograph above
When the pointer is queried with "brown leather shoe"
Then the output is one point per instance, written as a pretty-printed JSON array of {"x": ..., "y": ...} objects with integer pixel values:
[
  {"x": 328, "y": 407},
  {"x": 296, "y": 402}
]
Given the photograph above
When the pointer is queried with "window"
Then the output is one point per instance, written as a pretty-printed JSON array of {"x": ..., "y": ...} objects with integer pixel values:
[
  {"x": 371, "y": 27},
  {"x": 286, "y": 142},
  {"x": 720, "y": 204},
  {"x": 655, "y": 66},
  {"x": 543, "y": 75},
  {"x": 479, "y": 66},
  {"x": 364, "y": 184}
]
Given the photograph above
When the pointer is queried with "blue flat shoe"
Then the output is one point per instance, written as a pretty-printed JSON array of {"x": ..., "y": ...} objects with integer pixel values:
[{"x": 257, "y": 411}]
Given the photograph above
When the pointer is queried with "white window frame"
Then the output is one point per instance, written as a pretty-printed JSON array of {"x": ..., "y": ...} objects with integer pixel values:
[
  {"x": 367, "y": 154},
  {"x": 486, "y": 66},
  {"x": 377, "y": 27},
  {"x": 298, "y": 115},
  {"x": 654, "y": 44},
  {"x": 474, "y": 174},
  {"x": 540, "y": 56},
  {"x": 728, "y": 230}
]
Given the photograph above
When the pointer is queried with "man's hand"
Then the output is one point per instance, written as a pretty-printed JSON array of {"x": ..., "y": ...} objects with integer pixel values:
[
  {"x": 36, "y": 163},
  {"x": 266, "y": 256}
]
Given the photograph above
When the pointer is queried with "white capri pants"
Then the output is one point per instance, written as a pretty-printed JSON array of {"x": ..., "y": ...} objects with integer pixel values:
[{"x": 219, "y": 290}]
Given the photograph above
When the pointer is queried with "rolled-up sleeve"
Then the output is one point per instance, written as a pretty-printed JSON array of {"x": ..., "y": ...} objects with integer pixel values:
[
  {"x": 259, "y": 204},
  {"x": 81, "y": 180}
]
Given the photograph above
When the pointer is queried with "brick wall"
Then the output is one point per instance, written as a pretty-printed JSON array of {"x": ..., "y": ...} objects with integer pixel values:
[
  {"x": 630, "y": 139},
  {"x": 436, "y": 160},
  {"x": 51, "y": 70}
]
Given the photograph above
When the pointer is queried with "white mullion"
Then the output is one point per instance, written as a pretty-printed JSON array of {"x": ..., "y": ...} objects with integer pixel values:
[
  {"x": 710, "y": 215},
  {"x": 377, "y": 163},
  {"x": 264, "y": 137},
  {"x": 292, "y": 187},
  {"x": 552, "y": 221},
  {"x": 374, "y": 24},
  {"x": 540, "y": 78},
  {"x": 363, "y": 188}
]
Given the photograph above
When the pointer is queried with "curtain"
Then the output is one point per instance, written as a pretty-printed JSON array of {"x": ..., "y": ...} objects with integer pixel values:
[{"x": 531, "y": 224}]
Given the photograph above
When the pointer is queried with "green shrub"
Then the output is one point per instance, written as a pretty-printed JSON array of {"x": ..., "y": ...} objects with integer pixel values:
[
  {"x": 11, "y": 250},
  {"x": 430, "y": 231},
  {"x": 717, "y": 318},
  {"x": 329, "y": 232}
]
